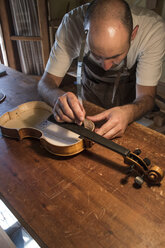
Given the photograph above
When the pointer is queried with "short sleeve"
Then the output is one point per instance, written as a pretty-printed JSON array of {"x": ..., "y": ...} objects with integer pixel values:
[
  {"x": 150, "y": 59},
  {"x": 67, "y": 43}
]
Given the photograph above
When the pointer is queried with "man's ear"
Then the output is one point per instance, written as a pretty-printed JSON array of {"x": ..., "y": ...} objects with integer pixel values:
[{"x": 134, "y": 32}]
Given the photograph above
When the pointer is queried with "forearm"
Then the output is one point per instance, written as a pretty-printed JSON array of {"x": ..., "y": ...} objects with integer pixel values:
[
  {"x": 48, "y": 88},
  {"x": 138, "y": 108},
  {"x": 49, "y": 93}
]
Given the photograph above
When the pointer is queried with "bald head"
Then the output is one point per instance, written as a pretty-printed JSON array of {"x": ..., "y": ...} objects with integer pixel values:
[{"x": 108, "y": 10}]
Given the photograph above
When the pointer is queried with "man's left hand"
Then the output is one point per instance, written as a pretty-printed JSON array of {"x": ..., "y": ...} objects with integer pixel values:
[{"x": 116, "y": 122}]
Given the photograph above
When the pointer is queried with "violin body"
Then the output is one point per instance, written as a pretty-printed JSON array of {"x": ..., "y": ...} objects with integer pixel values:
[{"x": 30, "y": 120}]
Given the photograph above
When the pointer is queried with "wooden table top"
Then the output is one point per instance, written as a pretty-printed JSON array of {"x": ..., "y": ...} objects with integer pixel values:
[{"x": 80, "y": 201}]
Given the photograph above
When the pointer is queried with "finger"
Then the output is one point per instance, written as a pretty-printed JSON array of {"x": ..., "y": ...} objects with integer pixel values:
[
  {"x": 117, "y": 135},
  {"x": 65, "y": 108},
  {"x": 105, "y": 128},
  {"x": 57, "y": 118},
  {"x": 113, "y": 133},
  {"x": 98, "y": 117},
  {"x": 77, "y": 108},
  {"x": 60, "y": 116}
]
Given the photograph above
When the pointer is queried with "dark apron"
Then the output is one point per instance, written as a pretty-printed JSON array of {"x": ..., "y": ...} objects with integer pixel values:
[{"x": 108, "y": 88}]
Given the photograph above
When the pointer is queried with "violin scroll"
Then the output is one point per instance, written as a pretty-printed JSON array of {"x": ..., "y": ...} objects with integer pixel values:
[
  {"x": 155, "y": 174},
  {"x": 152, "y": 174}
]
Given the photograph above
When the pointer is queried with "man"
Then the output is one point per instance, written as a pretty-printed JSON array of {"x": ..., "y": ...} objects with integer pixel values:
[{"x": 122, "y": 64}]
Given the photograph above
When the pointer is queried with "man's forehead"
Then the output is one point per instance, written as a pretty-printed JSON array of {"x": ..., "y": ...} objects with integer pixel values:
[{"x": 106, "y": 49}]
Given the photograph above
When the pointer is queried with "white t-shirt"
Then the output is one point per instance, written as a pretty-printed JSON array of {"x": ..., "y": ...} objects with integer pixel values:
[{"x": 148, "y": 47}]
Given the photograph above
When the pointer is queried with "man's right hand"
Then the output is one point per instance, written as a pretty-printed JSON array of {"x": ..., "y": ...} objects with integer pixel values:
[
  {"x": 66, "y": 106},
  {"x": 68, "y": 109}
]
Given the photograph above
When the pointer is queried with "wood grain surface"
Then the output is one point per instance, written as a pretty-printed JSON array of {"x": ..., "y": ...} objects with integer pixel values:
[{"x": 81, "y": 201}]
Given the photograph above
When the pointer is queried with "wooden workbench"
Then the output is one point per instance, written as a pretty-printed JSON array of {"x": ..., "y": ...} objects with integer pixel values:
[{"x": 80, "y": 201}]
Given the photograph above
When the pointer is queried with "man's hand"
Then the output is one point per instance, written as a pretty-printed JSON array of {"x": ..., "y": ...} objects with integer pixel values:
[
  {"x": 116, "y": 122},
  {"x": 68, "y": 109},
  {"x": 66, "y": 106},
  {"x": 117, "y": 119}
]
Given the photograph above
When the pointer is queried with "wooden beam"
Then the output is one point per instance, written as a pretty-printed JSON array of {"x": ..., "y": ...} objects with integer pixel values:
[
  {"x": 43, "y": 23},
  {"x": 11, "y": 52}
]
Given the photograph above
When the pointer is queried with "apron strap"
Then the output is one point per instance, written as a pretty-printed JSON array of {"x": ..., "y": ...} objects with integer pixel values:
[
  {"x": 115, "y": 87},
  {"x": 117, "y": 80}
]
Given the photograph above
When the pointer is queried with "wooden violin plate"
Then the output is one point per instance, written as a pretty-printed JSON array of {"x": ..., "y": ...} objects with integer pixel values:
[{"x": 30, "y": 120}]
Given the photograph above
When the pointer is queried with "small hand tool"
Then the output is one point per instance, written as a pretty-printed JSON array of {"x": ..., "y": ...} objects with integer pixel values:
[{"x": 80, "y": 67}]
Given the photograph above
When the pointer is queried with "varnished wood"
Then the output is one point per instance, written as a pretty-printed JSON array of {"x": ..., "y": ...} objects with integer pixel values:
[{"x": 85, "y": 200}]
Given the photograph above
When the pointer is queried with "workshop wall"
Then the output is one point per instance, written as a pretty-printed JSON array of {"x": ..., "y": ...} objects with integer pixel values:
[{"x": 59, "y": 7}]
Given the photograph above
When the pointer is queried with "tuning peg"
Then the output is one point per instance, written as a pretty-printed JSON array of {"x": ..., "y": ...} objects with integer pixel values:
[
  {"x": 139, "y": 181},
  {"x": 137, "y": 151},
  {"x": 147, "y": 161}
]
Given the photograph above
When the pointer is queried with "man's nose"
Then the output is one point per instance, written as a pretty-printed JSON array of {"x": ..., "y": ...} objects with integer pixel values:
[{"x": 107, "y": 64}]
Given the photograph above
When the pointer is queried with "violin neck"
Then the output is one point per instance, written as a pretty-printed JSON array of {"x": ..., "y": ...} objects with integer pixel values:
[{"x": 85, "y": 133}]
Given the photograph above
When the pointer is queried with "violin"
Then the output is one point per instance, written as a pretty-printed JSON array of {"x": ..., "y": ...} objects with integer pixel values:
[{"x": 35, "y": 120}]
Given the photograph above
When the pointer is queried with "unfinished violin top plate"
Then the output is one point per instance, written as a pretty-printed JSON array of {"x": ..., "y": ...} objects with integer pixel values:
[{"x": 31, "y": 120}]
